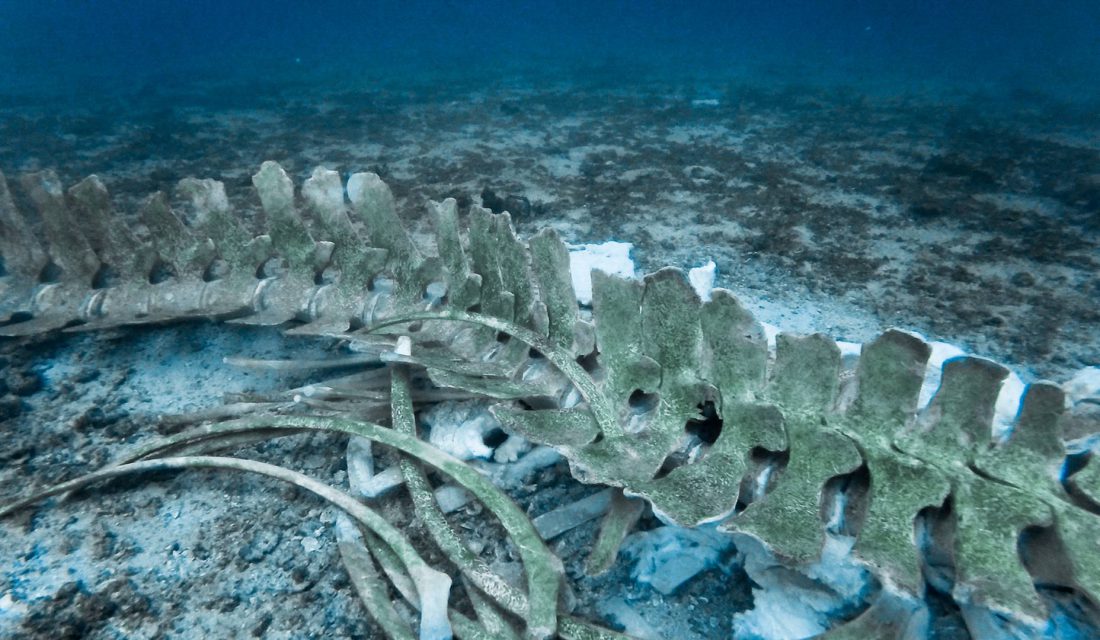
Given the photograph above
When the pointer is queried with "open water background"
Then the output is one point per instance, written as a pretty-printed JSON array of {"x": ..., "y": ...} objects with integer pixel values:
[{"x": 1006, "y": 49}]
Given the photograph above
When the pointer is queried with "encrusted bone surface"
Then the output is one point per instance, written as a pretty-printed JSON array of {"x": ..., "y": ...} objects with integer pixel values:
[{"x": 77, "y": 265}]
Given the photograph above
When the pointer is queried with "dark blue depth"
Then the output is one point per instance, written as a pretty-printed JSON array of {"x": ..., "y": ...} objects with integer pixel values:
[{"x": 1008, "y": 46}]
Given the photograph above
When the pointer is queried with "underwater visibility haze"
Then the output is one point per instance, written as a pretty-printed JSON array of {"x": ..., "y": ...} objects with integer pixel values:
[{"x": 857, "y": 396}]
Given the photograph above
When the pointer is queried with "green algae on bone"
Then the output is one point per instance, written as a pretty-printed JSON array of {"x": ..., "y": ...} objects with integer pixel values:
[
  {"x": 432, "y": 585},
  {"x": 473, "y": 568},
  {"x": 655, "y": 339},
  {"x": 543, "y": 569}
]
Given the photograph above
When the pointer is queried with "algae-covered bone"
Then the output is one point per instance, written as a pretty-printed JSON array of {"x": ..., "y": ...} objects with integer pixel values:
[{"x": 786, "y": 419}]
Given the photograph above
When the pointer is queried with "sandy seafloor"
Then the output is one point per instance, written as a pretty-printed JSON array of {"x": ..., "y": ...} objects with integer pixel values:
[{"x": 971, "y": 220}]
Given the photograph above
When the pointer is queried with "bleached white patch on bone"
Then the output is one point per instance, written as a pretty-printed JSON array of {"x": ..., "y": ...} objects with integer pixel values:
[
  {"x": 460, "y": 428},
  {"x": 760, "y": 486},
  {"x": 1008, "y": 399},
  {"x": 933, "y": 372},
  {"x": 1084, "y": 386},
  {"x": 849, "y": 349},
  {"x": 702, "y": 279},
  {"x": 789, "y": 609},
  {"x": 360, "y": 461},
  {"x": 610, "y": 257},
  {"x": 1083, "y": 398},
  {"x": 362, "y": 478},
  {"x": 836, "y": 513},
  {"x": 511, "y": 449},
  {"x": 382, "y": 483},
  {"x": 1008, "y": 406},
  {"x": 786, "y": 604},
  {"x": 770, "y": 333}
]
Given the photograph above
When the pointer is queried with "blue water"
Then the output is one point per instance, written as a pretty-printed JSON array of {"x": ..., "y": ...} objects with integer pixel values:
[
  {"x": 1003, "y": 47},
  {"x": 962, "y": 200}
]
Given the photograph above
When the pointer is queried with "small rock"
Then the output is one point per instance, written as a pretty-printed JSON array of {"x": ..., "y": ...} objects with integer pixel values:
[
  {"x": 260, "y": 629},
  {"x": 120, "y": 426},
  {"x": 1084, "y": 386},
  {"x": 491, "y": 201},
  {"x": 76, "y": 612},
  {"x": 303, "y": 577},
  {"x": 24, "y": 383},
  {"x": 462, "y": 199},
  {"x": 667, "y": 557},
  {"x": 517, "y": 205},
  {"x": 1022, "y": 279},
  {"x": 93, "y": 418},
  {"x": 927, "y": 210},
  {"x": 10, "y": 406},
  {"x": 263, "y": 543},
  {"x": 511, "y": 107},
  {"x": 86, "y": 375}
]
